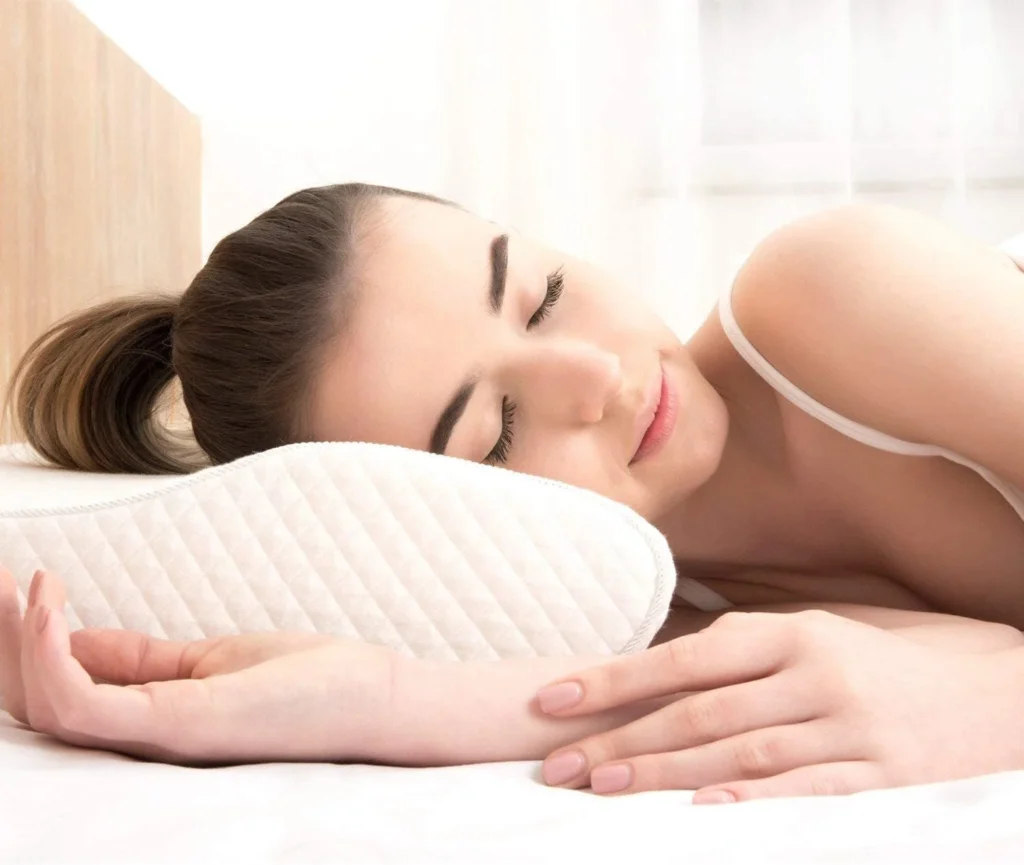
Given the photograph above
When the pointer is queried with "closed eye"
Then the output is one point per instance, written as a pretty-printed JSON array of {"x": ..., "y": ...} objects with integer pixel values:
[
  {"x": 555, "y": 283},
  {"x": 499, "y": 453}
]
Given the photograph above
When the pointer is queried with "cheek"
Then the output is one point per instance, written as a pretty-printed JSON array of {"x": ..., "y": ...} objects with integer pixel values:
[{"x": 580, "y": 461}]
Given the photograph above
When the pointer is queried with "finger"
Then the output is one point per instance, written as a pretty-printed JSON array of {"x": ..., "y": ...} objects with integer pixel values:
[
  {"x": 46, "y": 595},
  {"x": 131, "y": 658},
  {"x": 757, "y": 754},
  {"x": 44, "y": 612},
  {"x": 712, "y": 658},
  {"x": 48, "y": 590},
  {"x": 826, "y": 779},
  {"x": 694, "y": 720},
  {"x": 67, "y": 704},
  {"x": 33, "y": 620},
  {"x": 10, "y": 647},
  {"x": 33, "y": 587},
  {"x": 55, "y": 688}
]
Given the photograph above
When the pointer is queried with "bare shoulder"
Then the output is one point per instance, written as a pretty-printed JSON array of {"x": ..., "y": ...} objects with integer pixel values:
[
  {"x": 850, "y": 255},
  {"x": 869, "y": 307}
]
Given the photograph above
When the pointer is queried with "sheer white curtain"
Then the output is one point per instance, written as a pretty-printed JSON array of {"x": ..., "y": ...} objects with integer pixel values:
[{"x": 664, "y": 138}]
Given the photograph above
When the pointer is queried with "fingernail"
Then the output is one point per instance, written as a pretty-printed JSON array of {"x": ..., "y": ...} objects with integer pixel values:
[
  {"x": 43, "y": 618},
  {"x": 713, "y": 797},
  {"x": 563, "y": 768},
  {"x": 554, "y": 698},
  {"x": 610, "y": 779},
  {"x": 33, "y": 589}
]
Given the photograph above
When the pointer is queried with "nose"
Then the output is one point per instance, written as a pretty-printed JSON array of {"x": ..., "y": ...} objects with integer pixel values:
[{"x": 567, "y": 379}]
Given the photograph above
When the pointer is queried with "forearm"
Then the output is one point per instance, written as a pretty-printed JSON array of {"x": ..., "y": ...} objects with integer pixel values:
[
  {"x": 938, "y": 630},
  {"x": 964, "y": 635},
  {"x": 447, "y": 713}
]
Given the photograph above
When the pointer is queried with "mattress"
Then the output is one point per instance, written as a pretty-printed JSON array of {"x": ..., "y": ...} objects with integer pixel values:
[{"x": 65, "y": 805}]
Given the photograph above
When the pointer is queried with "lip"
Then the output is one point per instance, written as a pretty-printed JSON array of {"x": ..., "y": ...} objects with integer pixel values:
[{"x": 657, "y": 420}]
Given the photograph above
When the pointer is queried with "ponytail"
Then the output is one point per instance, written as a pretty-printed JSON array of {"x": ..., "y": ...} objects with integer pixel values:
[
  {"x": 250, "y": 336},
  {"x": 86, "y": 391}
]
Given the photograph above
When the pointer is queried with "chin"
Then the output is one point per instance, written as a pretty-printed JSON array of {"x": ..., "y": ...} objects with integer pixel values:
[{"x": 692, "y": 456}]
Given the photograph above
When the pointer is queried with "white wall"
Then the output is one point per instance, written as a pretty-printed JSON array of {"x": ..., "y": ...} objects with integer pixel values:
[
  {"x": 660, "y": 138},
  {"x": 293, "y": 94},
  {"x": 534, "y": 113}
]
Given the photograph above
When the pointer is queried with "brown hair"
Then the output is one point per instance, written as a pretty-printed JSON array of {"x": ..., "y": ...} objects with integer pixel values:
[{"x": 244, "y": 341}]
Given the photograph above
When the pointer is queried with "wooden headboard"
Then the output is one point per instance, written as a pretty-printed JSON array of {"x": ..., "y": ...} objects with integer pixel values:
[{"x": 99, "y": 175}]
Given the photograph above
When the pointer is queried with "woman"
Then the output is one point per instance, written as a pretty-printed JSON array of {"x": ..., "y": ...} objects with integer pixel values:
[{"x": 840, "y": 436}]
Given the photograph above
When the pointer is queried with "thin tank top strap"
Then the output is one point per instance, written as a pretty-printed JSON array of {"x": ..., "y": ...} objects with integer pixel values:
[
  {"x": 760, "y": 364},
  {"x": 850, "y": 428},
  {"x": 700, "y": 596}
]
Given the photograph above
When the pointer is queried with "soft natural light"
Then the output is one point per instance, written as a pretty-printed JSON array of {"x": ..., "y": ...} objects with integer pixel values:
[{"x": 661, "y": 137}]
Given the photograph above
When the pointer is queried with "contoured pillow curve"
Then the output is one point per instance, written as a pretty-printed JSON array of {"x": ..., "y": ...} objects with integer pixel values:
[{"x": 434, "y": 556}]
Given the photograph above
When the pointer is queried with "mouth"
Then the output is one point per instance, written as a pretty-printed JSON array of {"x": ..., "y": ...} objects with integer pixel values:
[{"x": 657, "y": 419}]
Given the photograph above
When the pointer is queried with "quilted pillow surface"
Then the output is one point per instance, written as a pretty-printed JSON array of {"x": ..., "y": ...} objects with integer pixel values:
[{"x": 433, "y": 556}]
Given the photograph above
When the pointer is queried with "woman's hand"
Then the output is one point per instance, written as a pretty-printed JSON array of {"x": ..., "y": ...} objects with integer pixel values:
[
  {"x": 793, "y": 705},
  {"x": 274, "y": 696},
  {"x": 277, "y": 696}
]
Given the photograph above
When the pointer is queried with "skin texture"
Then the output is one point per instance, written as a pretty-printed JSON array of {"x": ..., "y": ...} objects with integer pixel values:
[{"x": 881, "y": 314}]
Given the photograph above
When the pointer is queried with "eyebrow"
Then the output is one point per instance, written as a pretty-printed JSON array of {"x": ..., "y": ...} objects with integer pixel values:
[
  {"x": 499, "y": 271},
  {"x": 453, "y": 411}
]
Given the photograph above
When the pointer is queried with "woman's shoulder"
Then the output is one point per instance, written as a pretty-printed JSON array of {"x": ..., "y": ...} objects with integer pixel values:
[
  {"x": 853, "y": 264},
  {"x": 858, "y": 305}
]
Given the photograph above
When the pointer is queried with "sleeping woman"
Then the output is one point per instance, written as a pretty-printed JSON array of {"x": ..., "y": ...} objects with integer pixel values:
[{"x": 834, "y": 458}]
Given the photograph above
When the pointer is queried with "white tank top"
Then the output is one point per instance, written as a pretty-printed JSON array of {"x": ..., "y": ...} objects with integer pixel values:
[{"x": 703, "y": 598}]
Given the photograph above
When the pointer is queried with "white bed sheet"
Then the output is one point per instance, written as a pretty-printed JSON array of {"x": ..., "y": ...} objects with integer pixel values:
[{"x": 60, "y": 804}]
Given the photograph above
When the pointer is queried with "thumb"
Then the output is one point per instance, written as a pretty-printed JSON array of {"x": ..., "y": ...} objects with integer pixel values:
[
  {"x": 131, "y": 658},
  {"x": 12, "y": 693}
]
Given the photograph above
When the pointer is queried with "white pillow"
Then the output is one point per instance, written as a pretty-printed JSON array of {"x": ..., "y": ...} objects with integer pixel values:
[{"x": 434, "y": 556}]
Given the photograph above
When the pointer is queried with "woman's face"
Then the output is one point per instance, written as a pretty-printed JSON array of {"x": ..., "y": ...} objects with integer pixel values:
[{"x": 459, "y": 342}]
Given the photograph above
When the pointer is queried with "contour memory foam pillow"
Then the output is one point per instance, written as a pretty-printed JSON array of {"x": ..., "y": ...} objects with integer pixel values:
[{"x": 433, "y": 556}]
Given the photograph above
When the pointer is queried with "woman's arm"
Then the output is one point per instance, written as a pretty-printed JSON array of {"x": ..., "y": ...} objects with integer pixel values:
[
  {"x": 448, "y": 712},
  {"x": 284, "y": 696},
  {"x": 938, "y": 630},
  {"x": 955, "y": 633},
  {"x": 272, "y": 696}
]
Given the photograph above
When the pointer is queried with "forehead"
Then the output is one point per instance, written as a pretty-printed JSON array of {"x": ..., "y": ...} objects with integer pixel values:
[
  {"x": 405, "y": 242},
  {"x": 420, "y": 274}
]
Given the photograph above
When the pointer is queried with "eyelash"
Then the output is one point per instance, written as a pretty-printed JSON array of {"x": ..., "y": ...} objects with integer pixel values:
[
  {"x": 499, "y": 454},
  {"x": 555, "y": 284}
]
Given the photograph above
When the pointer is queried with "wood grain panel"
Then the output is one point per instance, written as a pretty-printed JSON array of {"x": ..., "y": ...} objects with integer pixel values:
[{"x": 99, "y": 174}]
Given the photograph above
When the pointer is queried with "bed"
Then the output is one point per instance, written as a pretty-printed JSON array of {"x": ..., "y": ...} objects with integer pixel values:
[{"x": 61, "y": 804}]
